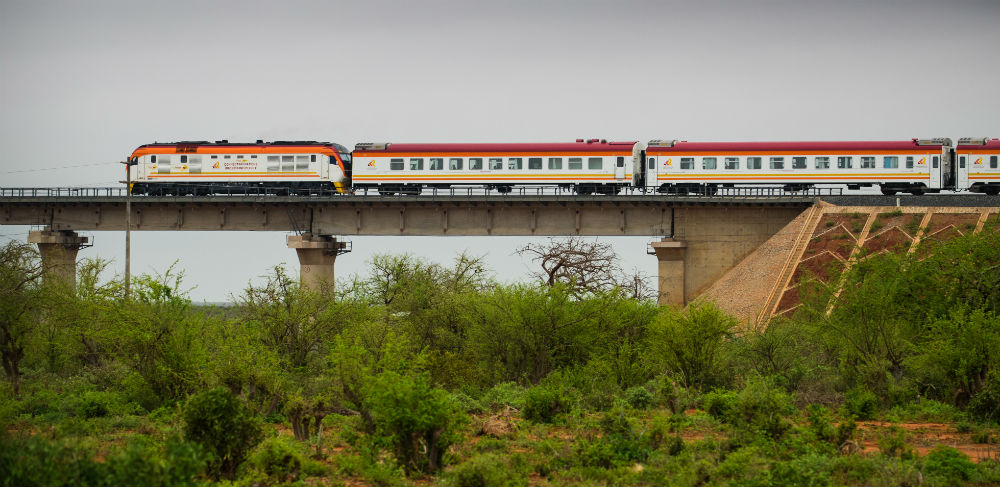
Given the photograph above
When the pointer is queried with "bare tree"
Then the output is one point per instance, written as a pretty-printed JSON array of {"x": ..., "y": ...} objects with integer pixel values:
[
  {"x": 636, "y": 286},
  {"x": 587, "y": 266}
]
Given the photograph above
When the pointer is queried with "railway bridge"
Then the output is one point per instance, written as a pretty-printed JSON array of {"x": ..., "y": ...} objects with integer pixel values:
[{"x": 695, "y": 239}]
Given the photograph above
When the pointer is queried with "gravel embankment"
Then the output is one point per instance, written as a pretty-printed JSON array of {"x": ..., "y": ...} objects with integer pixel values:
[{"x": 744, "y": 289}]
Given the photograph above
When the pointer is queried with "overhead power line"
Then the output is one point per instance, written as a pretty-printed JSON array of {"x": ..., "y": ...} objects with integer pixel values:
[{"x": 60, "y": 167}]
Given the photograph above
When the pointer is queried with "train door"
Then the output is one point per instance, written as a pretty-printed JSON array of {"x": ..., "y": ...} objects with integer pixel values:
[
  {"x": 962, "y": 172},
  {"x": 934, "y": 168},
  {"x": 652, "y": 169},
  {"x": 619, "y": 168}
]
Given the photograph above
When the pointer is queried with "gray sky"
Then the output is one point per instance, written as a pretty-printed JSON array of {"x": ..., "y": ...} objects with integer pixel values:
[{"x": 84, "y": 83}]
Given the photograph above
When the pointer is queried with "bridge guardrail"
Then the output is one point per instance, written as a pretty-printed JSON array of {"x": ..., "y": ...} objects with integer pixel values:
[{"x": 520, "y": 192}]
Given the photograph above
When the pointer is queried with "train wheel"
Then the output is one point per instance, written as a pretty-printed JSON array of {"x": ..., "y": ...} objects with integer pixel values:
[{"x": 888, "y": 192}]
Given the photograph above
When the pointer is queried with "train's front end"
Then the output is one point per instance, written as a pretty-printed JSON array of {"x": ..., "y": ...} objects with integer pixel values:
[{"x": 201, "y": 167}]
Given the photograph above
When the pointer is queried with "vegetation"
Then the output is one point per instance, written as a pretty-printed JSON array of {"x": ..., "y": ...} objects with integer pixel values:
[{"x": 429, "y": 373}]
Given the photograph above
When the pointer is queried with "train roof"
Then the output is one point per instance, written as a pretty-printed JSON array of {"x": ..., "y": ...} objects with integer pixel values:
[
  {"x": 810, "y": 146},
  {"x": 980, "y": 143},
  {"x": 226, "y": 143},
  {"x": 580, "y": 145}
]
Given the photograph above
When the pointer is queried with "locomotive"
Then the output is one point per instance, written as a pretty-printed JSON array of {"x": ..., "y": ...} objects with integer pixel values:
[{"x": 586, "y": 166}]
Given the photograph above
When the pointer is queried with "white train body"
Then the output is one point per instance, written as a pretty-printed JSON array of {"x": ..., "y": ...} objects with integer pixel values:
[
  {"x": 588, "y": 166},
  {"x": 915, "y": 166},
  {"x": 978, "y": 164}
]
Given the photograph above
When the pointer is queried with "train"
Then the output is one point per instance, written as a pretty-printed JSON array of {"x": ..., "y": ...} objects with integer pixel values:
[{"x": 584, "y": 166}]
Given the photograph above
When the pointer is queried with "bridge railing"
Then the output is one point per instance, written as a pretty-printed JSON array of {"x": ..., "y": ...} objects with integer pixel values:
[{"x": 455, "y": 191}]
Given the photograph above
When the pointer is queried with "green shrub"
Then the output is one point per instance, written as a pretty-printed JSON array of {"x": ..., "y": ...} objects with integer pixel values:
[
  {"x": 720, "y": 404},
  {"x": 502, "y": 395},
  {"x": 762, "y": 406},
  {"x": 486, "y": 470},
  {"x": 639, "y": 397},
  {"x": 545, "y": 404},
  {"x": 468, "y": 404},
  {"x": 37, "y": 461},
  {"x": 216, "y": 420},
  {"x": 819, "y": 423},
  {"x": 811, "y": 470},
  {"x": 949, "y": 464},
  {"x": 93, "y": 405},
  {"x": 690, "y": 344},
  {"x": 845, "y": 431},
  {"x": 279, "y": 458},
  {"x": 417, "y": 421},
  {"x": 141, "y": 463},
  {"x": 862, "y": 404},
  {"x": 892, "y": 443},
  {"x": 759, "y": 407}
]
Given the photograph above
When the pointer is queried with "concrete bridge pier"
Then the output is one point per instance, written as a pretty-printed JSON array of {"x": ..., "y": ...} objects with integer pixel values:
[
  {"x": 670, "y": 254},
  {"x": 317, "y": 254},
  {"x": 58, "y": 249}
]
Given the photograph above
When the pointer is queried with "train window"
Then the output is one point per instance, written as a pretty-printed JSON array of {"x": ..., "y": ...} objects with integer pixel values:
[
  {"x": 226, "y": 156},
  {"x": 575, "y": 163},
  {"x": 935, "y": 161},
  {"x": 396, "y": 164},
  {"x": 152, "y": 159},
  {"x": 287, "y": 163},
  {"x": 708, "y": 163},
  {"x": 844, "y": 162},
  {"x": 216, "y": 157},
  {"x": 777, "y": 163},
  {"x": 753, "y": 162},
  {"x": 496, "y": 164},
  {"x": 254, "y": 157},
  {"x": 961, "y": 162},
  {"x": 435, "y": 164},
  {"x": 621, "y": 162},
  {"x": 890, "y": 162},
  {"x": 867, "y": 162},
  {"x": 239, "y": 156},
  {"x": 687, "y": 163},
  {"x": 652, "y": 163},
  {"x": 312, "y": 158},
  {"x": 301, "y": 163},
  {"x": 534, "y": 163},
  {"x": 732, "y": 163},
  {"x": 595, "y": 163},
  {"x": 455, "y": 164},
  {"x": 993, "y": 162},
  {"x": 475, "y": 163},
  {"x": 184, "y": 159},
  {"x": 514, "y": 163},
  {"x": 273, "y": 163},
  {"x": 798, "y": 163},
  {"x": 822, "y": 163},
  {"x": 909, "y": 162},
  {"x": 417, "y": 164},
  {"x": 194, "y": 159},
  {"x": 556, "y": 163}
]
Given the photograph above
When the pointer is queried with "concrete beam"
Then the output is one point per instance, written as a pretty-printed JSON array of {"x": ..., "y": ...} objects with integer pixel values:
[
  {"x": 58, "y": 249},
  {"x": 608, "y": 216},
  {"x": 317, "y": 255},
  {"x": 670, "y": 276}
]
